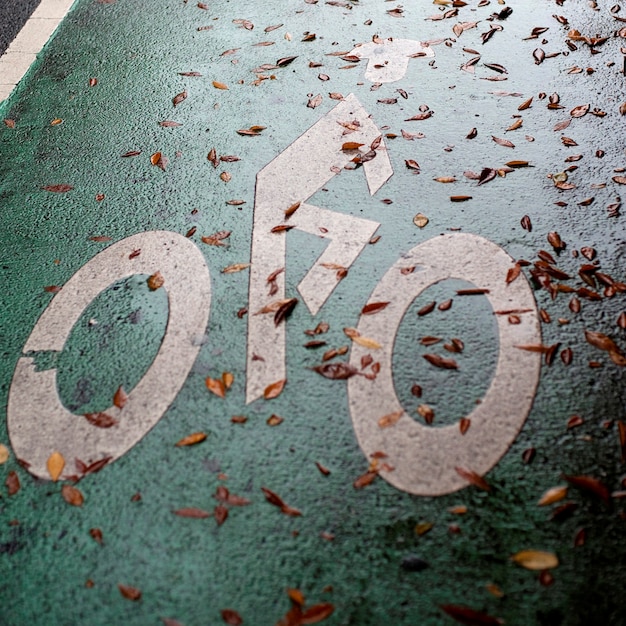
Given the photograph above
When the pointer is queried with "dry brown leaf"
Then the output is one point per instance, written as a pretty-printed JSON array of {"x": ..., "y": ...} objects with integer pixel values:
[
  {"x": 237, "y": 267},
  {"x": 231, "y": 617},
  {"x": 591, "y": 485},
  {"x": 219, "y": 85},
  {"x": 439, "y": 361},
  {"x": 472, "y": 477},
  {"x": 178, "y": 98},
  {"x": 373, "y": 307},
  {"x": 100, "y": 420},
  {"x": 220, "y": 513},
  {"x": 130, "y": 593},
  {"x": 58, "y": 188},
  {"x": 12, "y": 483},
  {"x": 216, "y": 386},
  {"x": 155, "y": 281},
  {"x": 120, "y": 397},
  {"x": 468, "y": 616},
  {"x": 72, "y": 495},
  {"x": 390, "y": 419},
  {"x": 55, "y": 465},
  {"x": 364, "y": 480},
  {"x": 552, "y": 495},
  {"x": 275, "y": 389},
  {"x": 536, "y": 559},
  {"x": 367, "y": 342},
  {"x": 192, "y": 439},
  {"x": 503, "y": 142}
]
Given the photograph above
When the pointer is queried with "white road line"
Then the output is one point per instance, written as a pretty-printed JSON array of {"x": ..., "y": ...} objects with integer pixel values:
[{"x": 29, "y": 42}]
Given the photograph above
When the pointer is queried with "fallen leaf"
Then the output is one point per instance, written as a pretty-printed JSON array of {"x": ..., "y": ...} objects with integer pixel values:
[
  {"x": 155, "y": 281},
  {"x": 130, "y": 593},
  {"x": 216, "y": 386},
  {"x": 420, "y": 220},
  {"x": 275, "y": 389},
  {"x": 364, "y": 480},
  {"x": 231, "y": 617},
  {"x": 55, "y": 465},
  {"x": 58, "y": 188},
  {"x": 336, "y": 371},
  {"x": 4, "y": 454},
  {"x": 12, "y": 483},
  {"x": 191, "y": 440},
  {"x": 580, "y": 111},
  {"x": 469, "y": 617},
  {"x": 169, "y": 124},
  {"x": 591, "y": 485},
  {"x": 536, "y": 559},
  {"x": 100, "y": 420},
  {"x": 390, "y": 419},
  {"x": 503, "y": 142},
  {"x": 220, "y": 513},
  {"x": 439, "y": 361},
  {"x": 373, "y": 308},
  {"x": 178, "y": 98},
  {"x": 237, "y": 267},
  {"x": 120, "y": 397},
  {"x": 72, "y": 495},
  {"x": 315, "y": 101},
  {"x": 473, "y": 478},
  {"x": 276, "y": 500},
  {"x": 555, "y": 494},
  {"x": 219, "y": 85}
]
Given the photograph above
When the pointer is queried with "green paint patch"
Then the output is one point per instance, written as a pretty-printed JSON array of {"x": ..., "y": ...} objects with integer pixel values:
[{"x": 113, "y": 343}]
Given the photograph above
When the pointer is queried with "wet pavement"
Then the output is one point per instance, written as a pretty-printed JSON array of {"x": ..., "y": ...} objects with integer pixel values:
[{"x": 320, "y": 296}]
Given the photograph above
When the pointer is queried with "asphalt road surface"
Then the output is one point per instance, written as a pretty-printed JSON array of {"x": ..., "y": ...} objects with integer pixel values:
[{"x": 13, "y": 15}]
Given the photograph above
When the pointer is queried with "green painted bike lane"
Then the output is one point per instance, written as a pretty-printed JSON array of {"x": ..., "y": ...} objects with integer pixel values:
[{"x": 371, "y": 551}]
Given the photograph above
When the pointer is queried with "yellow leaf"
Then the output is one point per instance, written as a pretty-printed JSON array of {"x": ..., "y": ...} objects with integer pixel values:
[
  {"x": 390, "y": 419},
  {"x": 155, "y": 158},
  {"x": 192, "y": 439},
  {"x": 219, "y": 85},
  {"x": 228, "y": 379},
  {"x": 56, "y": 122},
  {"x": 445, "y": 179},
  {"x": 55, "y": 465},
  {"x": 4, "y": 454},
  {"x": 555, "y": 494},
  {"x": 366, "y": 342},
  {"x": 237, "y": 267},
  {"x": 536, "y": 559},
  {"x": 274, "y": 390}
]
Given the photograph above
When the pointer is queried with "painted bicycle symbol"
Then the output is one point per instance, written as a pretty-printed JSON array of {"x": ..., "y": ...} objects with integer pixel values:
[{"x": 423, "y": 458}]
